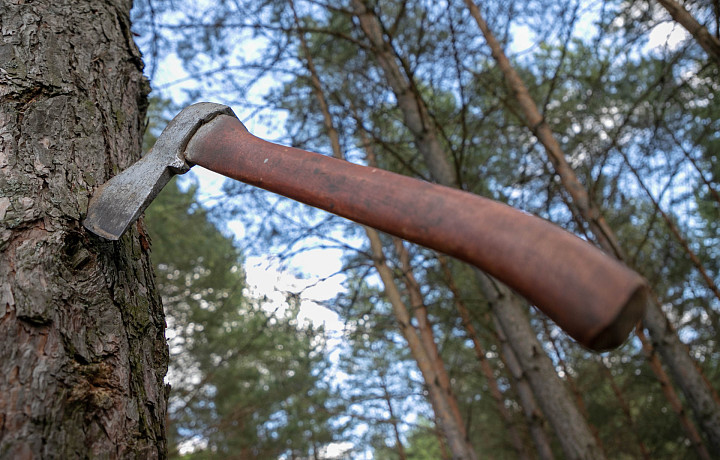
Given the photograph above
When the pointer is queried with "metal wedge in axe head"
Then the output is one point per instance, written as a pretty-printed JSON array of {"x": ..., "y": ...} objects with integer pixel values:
[{"x": 593, "y": 297}]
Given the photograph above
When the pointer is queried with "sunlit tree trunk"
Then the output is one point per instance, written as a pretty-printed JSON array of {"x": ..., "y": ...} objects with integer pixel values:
[
  {"x": 82, "y": 348},
  {"x": 579, "y": 400}
]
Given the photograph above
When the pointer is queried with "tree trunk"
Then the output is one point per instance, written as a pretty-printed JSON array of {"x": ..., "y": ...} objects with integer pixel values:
[
  {"x": 82, "y": 348},
  {"x": 487, "y": 370},
  {"x": 443, "y": 408},
  {"x": 573, "y": 433},
  {"x": 413, "y": 108},
  {"x": 700, "y": 395},
  {"x": 399, "y": 446},
  {"x": 424, "y": 327},
  {"x": 631, "y": 425},
  {"x": 576, "y": 438},
  {"x": 443, "y": 401},
  {"x": 536, "y": 420}
]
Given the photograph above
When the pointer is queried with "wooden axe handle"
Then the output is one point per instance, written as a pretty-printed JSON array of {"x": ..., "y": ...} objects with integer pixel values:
[{"x": 593, "y": 297}]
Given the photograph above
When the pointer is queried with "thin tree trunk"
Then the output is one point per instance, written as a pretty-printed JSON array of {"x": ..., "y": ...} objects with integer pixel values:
[
  {"x": 684, "y": 244},
  {"x": 699, "y": 394},
  {"x": 579, "y": 400},
  {"x": 419, "y": 311},
  {"x": 442, "y": 400},
  {"x": 536, "y": 420},
  {"x": 534, "y": 120},
  {"x": 702, "y": 35},
  {"x": 672, "y": 397},
  {"x": 394, "y": 422},
  {"x": 82, "y": 348},
  {"x": 457, "y": 443},
  {"x": 542, "y": 443},
  {"x": 414, "y": 110},
  {"x": 573, "y": 432},
  {"x": 574, "y": 435}
]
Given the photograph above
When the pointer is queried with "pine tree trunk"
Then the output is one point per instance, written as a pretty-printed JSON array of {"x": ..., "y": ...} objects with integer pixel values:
[
  {"x": 443, "y": 401},
  {"x": 572, "y": 430},
  {"x": 442, "y": 406},
  {"x": 424, "y": 327},
  {"x": 575, "y": 436},
  {"x": 414, "y": 110},
  {"x": 82, "y": 348},
  {"x": 399, "y": 447},
  {"x": 699, "y": 394},
  {"x": 487, "y": 370},
  {"x": 536, "y": 420}
]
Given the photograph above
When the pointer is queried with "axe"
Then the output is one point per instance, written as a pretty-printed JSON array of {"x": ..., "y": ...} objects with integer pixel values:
[{"x": 590, "y": 295}]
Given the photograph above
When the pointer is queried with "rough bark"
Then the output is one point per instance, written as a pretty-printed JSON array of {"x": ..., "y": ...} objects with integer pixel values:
[
  {"x": 570, "y": 381},
  {"x": 82, "y": 349},
  {"x": 699, "y": 394}
]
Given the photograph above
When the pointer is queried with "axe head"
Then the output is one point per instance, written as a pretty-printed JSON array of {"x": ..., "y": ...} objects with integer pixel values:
[{"x": 116, "y": 204}]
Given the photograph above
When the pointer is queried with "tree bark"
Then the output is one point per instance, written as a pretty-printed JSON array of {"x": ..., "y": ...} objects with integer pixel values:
[
  {"x": 536, "y": 420},
  {"x": 424, "y": 327},
  {"x": 415, "y": 112},
  {"x": 543, "y": 446},
  {"x": 82, "y": 348},
  {"x": 453, "y": 430},
  {"x": 576, "y": 438}
]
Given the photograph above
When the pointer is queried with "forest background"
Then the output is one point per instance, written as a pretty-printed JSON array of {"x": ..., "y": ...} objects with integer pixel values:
[{"x": 599, "y": 116}]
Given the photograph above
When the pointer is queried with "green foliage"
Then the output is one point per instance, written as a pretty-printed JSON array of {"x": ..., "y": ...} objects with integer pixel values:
[{"x": 246, "y": 379}]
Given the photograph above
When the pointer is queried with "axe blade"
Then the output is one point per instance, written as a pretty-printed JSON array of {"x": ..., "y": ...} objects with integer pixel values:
[{"x": 116, "y": 204}]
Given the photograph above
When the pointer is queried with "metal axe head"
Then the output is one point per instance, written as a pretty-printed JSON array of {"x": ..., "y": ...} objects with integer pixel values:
[{"x": 117, "y": 203}]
